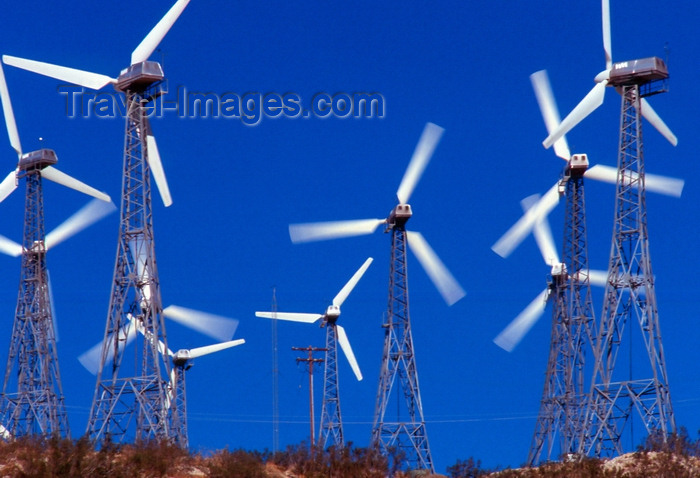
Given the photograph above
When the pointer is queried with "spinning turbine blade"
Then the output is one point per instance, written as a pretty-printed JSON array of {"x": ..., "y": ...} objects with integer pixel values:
[
  {"x": 656, "y": 121},
  {"x": 517, "y": 232},
  {"x": 10, "y": 247},
  {"x": 542, "y": 233},
  {"x": 347, "y": 350},
  {"x": 215, "y": 326},
  {"x": 652, "y": 182},
  {"x": 87, "y": 215},
  {"x": 421, "y": 157},
  {"x": 292, "y": 316},
  {"x": 319, "y": 231},
  {"x": 162, "y": 349},
  {"x": 445, "y": 283},
  {"x": 53, "y": 306},
  {"x": 347, "y": 288},
  {"x": 91, "y": 359},
  {"x": 156, "y": 35},
  {"x": 9, "y": 115},
  {"x": 592, "y": 100},
  {"x": 210, "y": 349},
  {"x": 53, "y": 174},
  {"x": 607, "y": 42},
  {"x": 8, "y": 185},
  {"x": 599, "y": 278},
  {"x": 663, "y": 185},
  {"x": 93, "y": 81},
  {"x": 516, "y": 330},
  {"x": 157, "y": 170},
  {"x": 550, "y": 113}
]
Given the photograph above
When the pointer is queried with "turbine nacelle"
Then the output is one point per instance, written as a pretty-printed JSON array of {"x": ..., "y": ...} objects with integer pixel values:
[
  {"x": 332, "y": 314},
  {"x": 181, "y": 357},
  {"x": 578, "y": 162},
  {"x": 141, "y": 75},
  {"x": 559, "y": 273},
  {"x": 398, "y": 217},
  {"x": 642, "y": 71},
  {"x": 39, "y": 159}
]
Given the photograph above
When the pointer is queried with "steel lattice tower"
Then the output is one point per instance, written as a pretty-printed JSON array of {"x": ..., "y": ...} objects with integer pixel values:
[
  {"x": 561, "y": 417},
  {"x": 131, "y": 395},
  {"x": 406, "y": 434},
  {"x": 331, "y": 426},
  {"x": 398, "y": 377},
  {"x": 629, "y": 299},
  {"x": 179, "y": 413},
  {"x": 32, "y": 398}
]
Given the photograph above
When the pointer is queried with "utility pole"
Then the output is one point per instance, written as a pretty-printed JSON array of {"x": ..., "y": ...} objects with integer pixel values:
[{"x": 310, "y": 360}]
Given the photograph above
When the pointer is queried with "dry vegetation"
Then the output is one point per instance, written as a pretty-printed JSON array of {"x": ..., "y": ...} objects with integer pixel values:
[{"x": 677, "y": 457}]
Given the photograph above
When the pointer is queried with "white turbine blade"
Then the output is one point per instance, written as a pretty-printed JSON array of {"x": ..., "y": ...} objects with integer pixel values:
[
  {"x": 599, "y": 172},
  {"x": 319, "y": 231},
  {"x": 155, "y": 36},
  {"x": 518, "y": 231},
  {"x": 597, "y": 277},
  {"x": 93, "y": 81},
  {"x": 215, "y": 326},
  {"x": 656, "y": 121},
  {"x": 421, "y": 157},
  {"x": 292, "y": 316},
  {"x": 170, "y": 393},
  {"x": 445, "y": 283},
  {"x": 162, "y": 349},
  {"x": 663, "y": 185},
  {"x": 53, "y": 306},
  {"x": 157, "y": 170},
  {"x": 53, "y": 174},
  {"x": 347, "y": 288},
  {"x": 9, "y": 114},
  {"x": 210, "y": 349},
  {"x": 347, "y": 350},
  {"x": 91, "y": 358},
  {"x": 592, "y": 100},
  {"x": 542, "y": 232},
  {"x": 549, "y": 110},
  {"x": 652, "y": 182},
  {"x": 516, "y": 330},
  {"x": 607, "y": 42},
  {"x": 137, "y": 247},
  {"x": 8, "y": 185},
  {"x": 86, "y": 216},
  {"x": 10, "y": 247}
]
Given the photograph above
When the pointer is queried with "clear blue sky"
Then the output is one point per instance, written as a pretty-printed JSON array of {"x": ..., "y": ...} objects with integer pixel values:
[{"x": 223, "y": 244}]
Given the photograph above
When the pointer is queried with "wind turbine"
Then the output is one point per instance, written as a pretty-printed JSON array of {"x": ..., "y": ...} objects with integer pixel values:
[
  {"x": 32, "y": 394},
  {"x": 331, "y": 429},
  {"x": 515, "y": 235},
  {"x": 181, "y": 360},
  {"x": 407, "y": 432},
  {"x": 615, "y": 74},
  {"x": 511, "y": 336},
  {"x": 131, "y": 401},
  {"x": 215, "y": 326}
]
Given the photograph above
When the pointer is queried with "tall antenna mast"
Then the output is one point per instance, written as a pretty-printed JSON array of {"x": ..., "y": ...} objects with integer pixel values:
[{"x": 275, "y": 378}]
